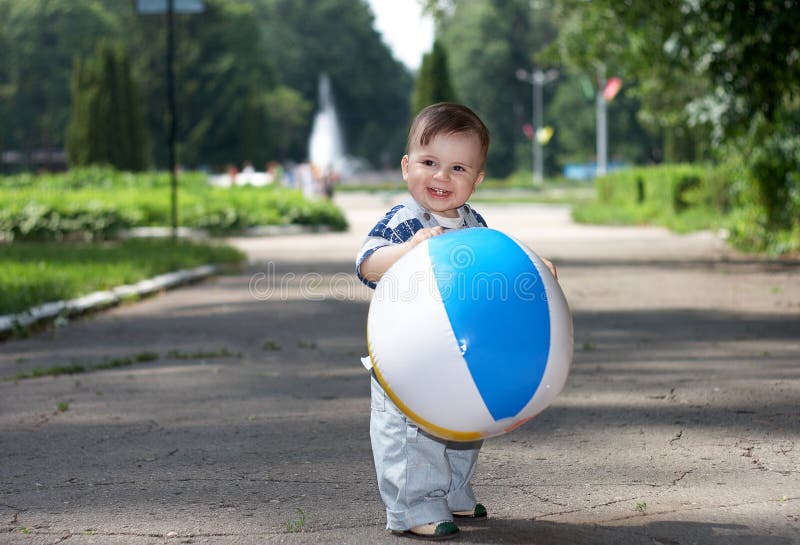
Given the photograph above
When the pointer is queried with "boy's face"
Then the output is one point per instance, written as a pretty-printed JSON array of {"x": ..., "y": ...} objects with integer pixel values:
[{"x": 443, "y": 174}]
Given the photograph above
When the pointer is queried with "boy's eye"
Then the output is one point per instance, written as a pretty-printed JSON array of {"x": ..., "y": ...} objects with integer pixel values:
[
  {"x": 427, "y": 162},
  {"x": 459, "y": 168}
]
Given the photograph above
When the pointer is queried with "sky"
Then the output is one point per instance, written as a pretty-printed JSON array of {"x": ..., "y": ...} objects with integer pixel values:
[{"x": 407, "y": 33}]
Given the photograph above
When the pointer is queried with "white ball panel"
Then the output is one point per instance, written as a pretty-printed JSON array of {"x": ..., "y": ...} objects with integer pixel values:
[
  {"x": 408, "y": 330},
  {"x": 561, "y": 340}
]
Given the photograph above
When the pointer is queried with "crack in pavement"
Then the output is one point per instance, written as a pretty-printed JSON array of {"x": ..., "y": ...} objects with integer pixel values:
[
  {"x": 684, "y": 474},
  {"x": 586, "y": 509},
  {"x": 696, "y": 508}
]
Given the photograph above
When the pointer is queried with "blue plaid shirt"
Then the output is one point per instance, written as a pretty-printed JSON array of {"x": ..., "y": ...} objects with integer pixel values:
[{"x": 401, "y": 222}]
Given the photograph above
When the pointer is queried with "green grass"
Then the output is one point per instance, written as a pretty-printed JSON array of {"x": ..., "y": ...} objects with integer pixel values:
[
  {"x": 693, "y": 219},
  {"x": 32, "y": 273},
  {"x": 296, "y": 523},
  {"x": 271, "y": 345},
  {"x": 203, "y": 354},
  {"x": 75, "y": 368}
]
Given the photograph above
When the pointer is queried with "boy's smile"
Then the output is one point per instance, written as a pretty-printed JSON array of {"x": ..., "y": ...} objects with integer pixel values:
[{"x": 443, "y": 174}]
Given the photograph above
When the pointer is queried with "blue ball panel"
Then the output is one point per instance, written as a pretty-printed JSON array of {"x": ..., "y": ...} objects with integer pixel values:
[{"x": 494, "y": 298}]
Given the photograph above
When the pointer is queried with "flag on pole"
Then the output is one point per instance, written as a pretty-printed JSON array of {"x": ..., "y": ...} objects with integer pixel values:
[
  {"x": 544, "y": 135},
  {"x": 527, "y": 128},
  {"x": 612, "y": 88}
]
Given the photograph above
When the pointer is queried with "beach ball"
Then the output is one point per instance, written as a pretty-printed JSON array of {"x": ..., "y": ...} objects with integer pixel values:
[{"x": 469, "y": 334}]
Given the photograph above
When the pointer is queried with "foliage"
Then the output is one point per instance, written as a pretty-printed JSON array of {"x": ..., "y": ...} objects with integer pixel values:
[
  {"x": 683, "y": 197},
  {"x": 102, "y": 202},
  {"x": 35, "y": 273},
  {"x": 660, "y": 81},
  {"x": 672, "y": 187},
  {"x": 246, "y": 76},
  {"x": 304, "y": 38},
  {"x": 487, "y": 42},
  {"x": 287, "y": 114},
  {"x": 700, "y": 70},
  {"x": 690, "y": 197},
  {"x": 40, "y": 38},
  {"x": 220, "y": 78},
  {"x": 753, "y": 54},
  {"x": 573, "y": 114},
  {"x": 767, "y": 215},
  {"x": 433, "y": 80},
  {"x": 77, "y": 368},
  {"x": 296, "y": 523},
  {"x": 106, "y": 126},
  {"x": 723, "y": 76}
]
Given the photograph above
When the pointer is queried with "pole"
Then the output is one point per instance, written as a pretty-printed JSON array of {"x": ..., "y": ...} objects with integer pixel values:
[
  {"x": 538, "y": 167},
  {"x": 602, "y": 122},
  {"x": 538, "y": 79},
  {"x": 172, "y": 115}
]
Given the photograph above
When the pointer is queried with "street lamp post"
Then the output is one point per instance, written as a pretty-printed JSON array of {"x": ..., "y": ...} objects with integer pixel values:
[
  {"x": 169, "y": 8},
  {"x": 538, "y": 79},
  {"x": 602, "y": 122},
  {"x": 173, "y": 115}
]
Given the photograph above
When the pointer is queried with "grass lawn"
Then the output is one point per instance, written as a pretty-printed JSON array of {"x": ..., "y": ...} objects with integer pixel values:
[{"x": 32, "y": 273}]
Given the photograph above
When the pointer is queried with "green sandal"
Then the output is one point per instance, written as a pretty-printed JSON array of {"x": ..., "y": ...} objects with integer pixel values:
[
  {"x": 478, "y": 512},
  {"x": 433, "y": 531}
]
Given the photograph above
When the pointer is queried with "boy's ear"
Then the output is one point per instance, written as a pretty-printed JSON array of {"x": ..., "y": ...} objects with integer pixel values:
[
  {"x": 478, "y": 180},
  {"x": 404, "y": 167}
]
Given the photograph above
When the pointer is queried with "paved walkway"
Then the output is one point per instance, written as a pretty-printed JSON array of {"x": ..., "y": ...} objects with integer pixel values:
[{"x": 679, "y": 423}]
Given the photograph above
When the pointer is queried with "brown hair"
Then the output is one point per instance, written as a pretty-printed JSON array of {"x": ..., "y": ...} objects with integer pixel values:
[{"x": 447, "y": 118}]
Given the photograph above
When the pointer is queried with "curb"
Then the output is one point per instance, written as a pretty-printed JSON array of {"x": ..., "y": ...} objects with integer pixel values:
[{"x": 102, "y": 299}]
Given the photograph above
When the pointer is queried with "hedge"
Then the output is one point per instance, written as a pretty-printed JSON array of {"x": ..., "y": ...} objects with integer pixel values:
[
  {"x": 96, "y": 203},
  {"x": 676, "y": 187}
]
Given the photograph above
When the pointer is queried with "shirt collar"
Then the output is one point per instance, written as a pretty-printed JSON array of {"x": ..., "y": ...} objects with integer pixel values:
[{"x": 428, "y": 216}]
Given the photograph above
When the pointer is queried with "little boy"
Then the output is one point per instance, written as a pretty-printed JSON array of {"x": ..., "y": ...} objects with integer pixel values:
[{"x": 425, "y": 481}]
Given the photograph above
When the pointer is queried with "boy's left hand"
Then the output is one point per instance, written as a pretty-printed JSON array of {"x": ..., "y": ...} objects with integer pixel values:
[{"x": 550, "y": 266}]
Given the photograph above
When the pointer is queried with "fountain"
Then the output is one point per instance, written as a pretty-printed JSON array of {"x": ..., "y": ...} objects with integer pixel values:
[{"x": 326, "y": 146}]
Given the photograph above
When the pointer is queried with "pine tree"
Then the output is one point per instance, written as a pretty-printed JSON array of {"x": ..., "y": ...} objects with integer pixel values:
[
  {"x": 106, "y": 125},
  {"x": 433, "y": 80},
  {"x": 77, "y": 138}
]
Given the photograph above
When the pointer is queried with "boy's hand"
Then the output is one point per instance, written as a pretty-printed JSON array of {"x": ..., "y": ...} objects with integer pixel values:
[
  {"x": 379, "y": 262},
  {"x": 425, "y": 234},
  {"x": 550, "y": 266}
]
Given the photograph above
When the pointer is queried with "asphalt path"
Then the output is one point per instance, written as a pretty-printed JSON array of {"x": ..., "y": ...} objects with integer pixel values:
[{"x": 679, "y": 424}]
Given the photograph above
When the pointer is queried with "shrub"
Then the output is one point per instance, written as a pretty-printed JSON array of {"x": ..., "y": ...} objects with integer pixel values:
[
  {"x": 756, "y": 199},
  {"x": 676, "y": 187},
  {"x": 98, "y": 202},
  {"x": 682, "y": 197},
  {"x": 765, "y": 167}
]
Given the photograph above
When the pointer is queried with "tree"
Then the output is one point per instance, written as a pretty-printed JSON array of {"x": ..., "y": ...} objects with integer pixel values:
[
  {"x": 287, "y": 114},
  {"x": 726, "y": 70},
  {"x": 597, "y": 35},
  {"x": 40, "y": 39},
  {"x": 304, "y": 38},
  {"x": 106, "y": 126},
  {"x": 488, "y": 41},
  {"x": 220, "y": 76},
  {"x": 238, "y": 66},
  {"x": 433, "y": 80}
]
